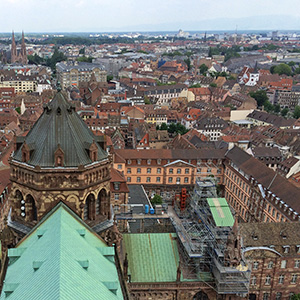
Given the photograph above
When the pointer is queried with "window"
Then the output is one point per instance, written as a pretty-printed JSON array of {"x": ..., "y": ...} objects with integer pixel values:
[
  {"x": 170, "y": 179},
  {"x": 138, "y": 179},
  {"x": 278, "y": 296},
  {"x": 198, "y": 170},
  {"x": 128, "y": 179},
  {"x": 186, "y": 180},
  {"x": 178, "y": 180},
  {"x": 253, "y": 280},
  {"x": 171, "y": 171},
  {"x": 117, "y": 186},
  {"x": 128, "y": 161},
  {"x": 157, "y": 179},
  {"x": 268, "y": 280},
  {"x": 270, "y": 265},
  {"x": 283, "y": 264},
  {"x": 266, "y": 296},
  {"x": 129, "y": 171},
  {"x": 119, "y": 167},
  {"x": 117, "y": 196},
  {"x": 159, "y": 161},
  {"x": 139, "y": 161},
  {"x": 138, "y": 170},
  {"x": 187, "y": 171},
  {"x": 294, "y": 278},
  {"x": 281, "y": 279},
  {"x": 178, "y": 171},
  {"x": 149, "y": 170},
  {"x": 208, "y": 170},
  {"x": 148, "y": 179},
  {"x": 149, "y": 161},
  {"x": 297, "y": 264},
  {"x": 255, "y": 265},
  {"x": 158, "y": 170}
]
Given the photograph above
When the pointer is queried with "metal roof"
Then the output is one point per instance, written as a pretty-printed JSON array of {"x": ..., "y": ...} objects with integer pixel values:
[
  {"x": 62, "y": 259},
  {"x": 60, "y": 125},
  {"x": 152, "y": 257},
  {"x": 220, "y": 211}
]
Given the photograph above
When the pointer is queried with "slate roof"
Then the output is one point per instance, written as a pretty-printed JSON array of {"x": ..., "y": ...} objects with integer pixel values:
[
  {"x": 60, "y": 125},
  {"x": 62, "y": 258}
]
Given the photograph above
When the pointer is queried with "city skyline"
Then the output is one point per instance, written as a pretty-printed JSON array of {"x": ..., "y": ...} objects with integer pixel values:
[{"x": 133, "y": 15}]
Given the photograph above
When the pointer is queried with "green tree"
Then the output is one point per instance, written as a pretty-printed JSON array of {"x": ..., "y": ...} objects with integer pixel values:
[
  {"x": 296, "y": 297},
  {"x": 277, "y": 108},
  {"x": 297, "y": 112},
  {"x": 203, "y": 69},
  {"x": 82, "y": 51},
  {"x": 283, "y": 69},
  {"x": 156, "y": 200},
  {"x": 56, "y": 57},
  {"x": 109, "y": 78},
  {"x": 163, "y": 126},
  {"x": 284, "y": 112},
  {"x": 213, "y": 85},
  {"x": 260, "y": 97},
  {"x": 188, "y": 63},
  {"x": 147, "y": 100},
  {"x": 85, "y": 59},
  {"x": 291, "y": 63},
  {"x": 196, "y": 85},
  {"x": 269, "y": 107}
]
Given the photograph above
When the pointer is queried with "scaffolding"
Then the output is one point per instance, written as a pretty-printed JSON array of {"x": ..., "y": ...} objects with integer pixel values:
[{"x": 203, "y": 229}]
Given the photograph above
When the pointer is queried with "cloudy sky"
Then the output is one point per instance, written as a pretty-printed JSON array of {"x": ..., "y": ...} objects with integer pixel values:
[{"x": 151, "y": 15}]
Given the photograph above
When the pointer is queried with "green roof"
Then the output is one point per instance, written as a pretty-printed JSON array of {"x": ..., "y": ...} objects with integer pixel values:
[
  {"x": 220, "y": 211},
  {"x": 59, "y": 124},
  {"x": 152, "y": 257},
  {"x": 62, "y": 259}
]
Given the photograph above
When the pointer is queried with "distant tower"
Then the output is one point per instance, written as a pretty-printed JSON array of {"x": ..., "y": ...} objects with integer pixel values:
[
  {"x": 18, "y": 56},
  {"x": 13, "y": 49},
  {"x": 204, "y": 37},
  {"x": 23, "y": 54}
]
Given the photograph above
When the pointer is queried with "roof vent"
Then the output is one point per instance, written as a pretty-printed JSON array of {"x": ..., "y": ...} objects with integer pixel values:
[
  {"x": 108, "y": 253},
  {"x": 40, "y": 233},
  {"x": 9, "y": 288},
  {"x": 81, "y": 232},
  {"x": 14, "y": 254},
  {"x": 36, "y": 265},
  {"x": 84, "y": 263},
  {"x": 112, "y": 286}
]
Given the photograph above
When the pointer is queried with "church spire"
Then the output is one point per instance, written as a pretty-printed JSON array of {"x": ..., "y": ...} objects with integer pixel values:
[
  {"x": 23, "y": 50},
  {"x": 13, "y": 48}
]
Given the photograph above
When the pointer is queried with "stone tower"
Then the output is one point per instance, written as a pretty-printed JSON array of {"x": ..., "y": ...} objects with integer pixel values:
[
  {"x": 60, "y": 159},
  {"x": 18, "y": 56}
]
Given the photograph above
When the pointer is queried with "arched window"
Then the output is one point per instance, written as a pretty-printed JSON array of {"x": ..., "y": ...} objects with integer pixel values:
[
  {"x": 30, "y": 208},
  {"x": 101, "y": 201},
  {"x": 89, "y": 208}
]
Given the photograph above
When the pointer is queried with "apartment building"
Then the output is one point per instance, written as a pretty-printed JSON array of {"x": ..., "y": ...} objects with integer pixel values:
[
  {"x": 169, "y": 170},
  {"x": 72, "y": 74},
  {"x": 275, "y": 259},
  {"x": 256, "y": 192}
]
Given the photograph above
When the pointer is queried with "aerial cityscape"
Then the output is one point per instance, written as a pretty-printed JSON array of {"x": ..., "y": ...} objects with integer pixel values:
[{"x": 150, "y": 150}]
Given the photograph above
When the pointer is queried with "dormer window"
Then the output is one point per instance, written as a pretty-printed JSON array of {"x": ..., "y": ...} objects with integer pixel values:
[
  {"x": 139, "y": 161},
  {"x": 129, "y": 162},
  {"x": 286, "y": 249},
  {"x": 117, "y": 186},
  {"x": 59, "y": 157},
  {"x": 149, "y": 161},
  {"x": 159, "y": 161}
]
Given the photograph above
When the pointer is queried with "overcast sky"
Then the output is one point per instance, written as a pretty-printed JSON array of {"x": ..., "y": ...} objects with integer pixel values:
[{"x": 137, "y": 15}]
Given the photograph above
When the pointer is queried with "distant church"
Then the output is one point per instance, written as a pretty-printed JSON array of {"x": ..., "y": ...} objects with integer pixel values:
[{"x": 18, "y": 55}]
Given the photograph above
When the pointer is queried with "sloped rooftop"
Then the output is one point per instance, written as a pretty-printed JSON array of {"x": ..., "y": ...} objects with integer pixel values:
[
  {"x": 152, "y": 257},
  {"x": 60, "y": 125},
  {"x": 62, "y": 259}
]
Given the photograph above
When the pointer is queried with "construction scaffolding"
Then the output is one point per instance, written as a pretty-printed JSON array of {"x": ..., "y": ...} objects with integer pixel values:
[{"x": 203, "y": 229}]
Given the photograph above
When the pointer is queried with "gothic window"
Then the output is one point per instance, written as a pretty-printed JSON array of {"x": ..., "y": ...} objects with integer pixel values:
[{"x": 89, "y": 208}]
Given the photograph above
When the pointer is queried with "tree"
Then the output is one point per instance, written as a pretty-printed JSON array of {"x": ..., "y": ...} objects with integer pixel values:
[
  {"x": 188, "y": 63},
  {"x": 283, "y": 69},
  {"x": 291, "y": 63},
  {"x": 156, "y": 200},
  {"x": 109, "y": 78},
  {"x": 203, "y": 69},
  {"x": 297, "y": 112},
  {"x": 260, "y": 97},
  {"x": 163, "y": 126},
  {"x": 82, "y": 51},
  {"x": 284, "y": 112},
  {"x": 269, "y": 107},
  {"x": 196, "y": 85},
  {"x": 213, "y": 85},
  {"x": 277, "y": 108},
  {"x": 85, "y": 59},
  {"x": 296, "y": 297},
  {"x": 147, "y": 100}
]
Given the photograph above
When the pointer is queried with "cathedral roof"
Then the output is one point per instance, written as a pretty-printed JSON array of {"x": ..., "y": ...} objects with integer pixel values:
[
  {"x": 62, "y": 258},
  {"x": 60, "y": 127}
]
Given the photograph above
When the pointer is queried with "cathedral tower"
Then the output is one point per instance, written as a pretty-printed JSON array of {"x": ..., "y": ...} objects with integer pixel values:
[
  {"x": 60, "y": 159},
  {"x": 18, "y": 56}
]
